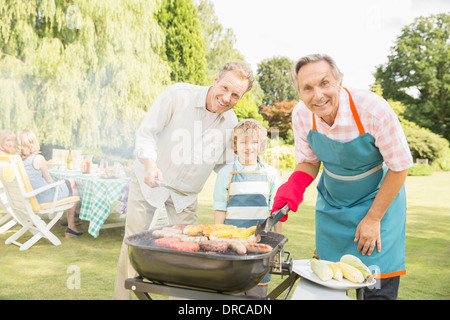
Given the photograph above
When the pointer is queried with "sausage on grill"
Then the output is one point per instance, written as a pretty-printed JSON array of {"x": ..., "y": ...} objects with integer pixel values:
[
  {"x": 237, "y": 245},
  {"x": 259, "y": 248},
  {"x": 214, "y": 245},
  {"x": 172, "y": 229}
]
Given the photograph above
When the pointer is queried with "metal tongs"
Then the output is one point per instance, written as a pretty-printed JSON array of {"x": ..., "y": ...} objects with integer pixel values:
[
  {"x": 163, "y": 185},
  {"x": 267, "y": 225}
]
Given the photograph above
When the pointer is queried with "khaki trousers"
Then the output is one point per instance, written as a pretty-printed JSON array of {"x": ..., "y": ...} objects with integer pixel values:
[{"x": 138, "y": 219}]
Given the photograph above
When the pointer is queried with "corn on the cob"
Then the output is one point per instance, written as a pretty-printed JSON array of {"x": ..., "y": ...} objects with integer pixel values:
[
  {"x": 193, "y": 229},
  {"x": 196, "y": 229},
  {"x": 337, "y": 273},
  {"x": 321, "y": 269},
  {"x": 233, "y": 233},
  {"x": 246, "y": 232},
  {"x": 350, "y": 273},
  {"x": 358, "y": 264},
  {"x": 225, "y": 233},
  {"x": 216, "y": 227}
]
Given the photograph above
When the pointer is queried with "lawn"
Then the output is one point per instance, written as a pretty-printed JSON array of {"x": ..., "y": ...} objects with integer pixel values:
[{"x": 48, "y": 272}]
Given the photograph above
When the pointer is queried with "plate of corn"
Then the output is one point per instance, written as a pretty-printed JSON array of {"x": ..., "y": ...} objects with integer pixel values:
[{"x": 336, "y": 275}]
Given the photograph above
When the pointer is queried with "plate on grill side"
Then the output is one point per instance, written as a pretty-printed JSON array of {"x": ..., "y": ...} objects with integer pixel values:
[{"x": 303, "y": 269}]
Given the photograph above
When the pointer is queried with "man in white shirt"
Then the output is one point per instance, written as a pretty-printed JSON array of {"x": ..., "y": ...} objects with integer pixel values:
[{"x": 184, "y": 136}]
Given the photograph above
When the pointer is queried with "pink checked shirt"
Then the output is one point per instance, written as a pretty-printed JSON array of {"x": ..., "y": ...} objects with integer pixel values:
[{"x": 377, "y": 118}]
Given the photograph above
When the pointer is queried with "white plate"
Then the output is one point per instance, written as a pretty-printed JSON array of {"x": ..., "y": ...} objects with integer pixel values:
[{"x": 303, "y": 268}]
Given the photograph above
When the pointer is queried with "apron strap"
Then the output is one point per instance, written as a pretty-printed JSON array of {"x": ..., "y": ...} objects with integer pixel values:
[{"x": 354, "y": 112}]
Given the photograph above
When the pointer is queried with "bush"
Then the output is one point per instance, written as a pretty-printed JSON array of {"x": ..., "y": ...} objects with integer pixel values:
[
  {"x": 423, "y": 143},
  {"x": 420, "y": 170},
  {"x": 281, "y": 157}
]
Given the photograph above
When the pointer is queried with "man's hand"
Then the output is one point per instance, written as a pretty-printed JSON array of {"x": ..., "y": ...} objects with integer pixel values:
[
  {"x": 152, "y": 173},
  {"x": 368, "y": 235}
]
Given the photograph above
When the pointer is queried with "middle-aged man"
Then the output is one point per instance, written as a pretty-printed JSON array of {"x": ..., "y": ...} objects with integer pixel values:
[
  {"x": 184, "y": 136},
  {"x": 361, "y": 202}
]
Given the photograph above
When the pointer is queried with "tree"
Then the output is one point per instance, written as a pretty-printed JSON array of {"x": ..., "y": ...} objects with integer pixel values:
[
  {"x": 219, "y": 41},
  {"x": 184, "y": 45},
  {"x": 274, "y": 77},
  {"x": 246, "y": 108},
  {"x": 80, "y": 73},
  {"x": 423, "y": 143},
  {"x": 279, "y": 116},
  {"x": 418, "y": 72}
]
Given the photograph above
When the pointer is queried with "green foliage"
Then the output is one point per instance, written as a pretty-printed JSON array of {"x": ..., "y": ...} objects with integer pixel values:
[
  {"x": 219, "y": 41},
  {"x": 420, "y": 170},
  {"x": 420, "y": 62},
  {"x": 184, "y": 45},
  {"x": 80, "y": 74},
  {"x": 443, "y": 163},
  {"x": 279, "y": 116},
  {"x": 423, "y": 143},
  {"x": 246, "y": 108},
  {"x": 274, "y": 76},
  {"x": 281, "y": 157}
]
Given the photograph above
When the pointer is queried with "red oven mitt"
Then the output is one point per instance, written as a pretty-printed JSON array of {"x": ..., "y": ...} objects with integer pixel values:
[{"x": 291, "y": 192}]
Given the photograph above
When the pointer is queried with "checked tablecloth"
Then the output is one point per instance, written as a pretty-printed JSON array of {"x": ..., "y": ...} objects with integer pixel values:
[{"x": 97, "y": 195}]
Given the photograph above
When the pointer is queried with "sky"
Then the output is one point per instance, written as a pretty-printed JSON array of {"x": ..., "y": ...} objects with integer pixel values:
[{"x": 358, "y": 34}]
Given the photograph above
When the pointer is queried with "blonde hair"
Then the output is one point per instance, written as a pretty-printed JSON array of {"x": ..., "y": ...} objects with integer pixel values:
[
  {"x": 5, "y": 134},
  {"x": 249, "y": 128},
  {"x": 26, "y": 143},
  {"x": 241, "y": 68}
]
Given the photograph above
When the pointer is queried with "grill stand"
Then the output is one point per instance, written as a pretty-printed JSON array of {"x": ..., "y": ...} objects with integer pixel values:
[
  {"x": 281, "y": 265},
  {"x": 142, "y": 288}
]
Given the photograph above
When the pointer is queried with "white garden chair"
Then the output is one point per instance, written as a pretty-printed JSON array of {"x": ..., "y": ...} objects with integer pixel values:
[
  {"x": 7, "y": 221},
  {"x": 25, "y": 208}
]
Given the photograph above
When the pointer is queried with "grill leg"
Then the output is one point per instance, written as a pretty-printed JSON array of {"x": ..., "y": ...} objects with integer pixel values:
[{"x": 288, "y": 283}]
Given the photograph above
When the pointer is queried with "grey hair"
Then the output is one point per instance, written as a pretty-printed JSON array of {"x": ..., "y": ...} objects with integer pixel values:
[{"x": 315, "y": 58}]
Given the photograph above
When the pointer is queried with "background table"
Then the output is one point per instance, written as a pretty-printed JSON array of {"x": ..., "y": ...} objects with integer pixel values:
[{"x": 97, "y": 195}]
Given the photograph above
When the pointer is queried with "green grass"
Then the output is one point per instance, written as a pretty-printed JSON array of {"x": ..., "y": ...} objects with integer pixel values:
[{"x": 42, "y": 271}]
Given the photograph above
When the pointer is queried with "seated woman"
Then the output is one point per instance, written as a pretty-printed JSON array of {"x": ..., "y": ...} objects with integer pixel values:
[
  {"x": 35, "y": 165},
  {"x": 7, "y": 138}
]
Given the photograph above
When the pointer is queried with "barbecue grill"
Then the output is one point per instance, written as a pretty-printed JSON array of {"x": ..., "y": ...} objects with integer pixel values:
[{"x": 225, "y": 272}]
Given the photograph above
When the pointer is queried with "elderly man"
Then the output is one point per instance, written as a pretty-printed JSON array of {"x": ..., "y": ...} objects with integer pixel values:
[
  {"x": 361, "y": 202},
  {"x": 184, "y": 136}
]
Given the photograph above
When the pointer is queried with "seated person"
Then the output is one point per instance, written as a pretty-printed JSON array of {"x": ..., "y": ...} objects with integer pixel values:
[
  {"x": 35, "y": 165},
  {"x": 7, "y": 138}
]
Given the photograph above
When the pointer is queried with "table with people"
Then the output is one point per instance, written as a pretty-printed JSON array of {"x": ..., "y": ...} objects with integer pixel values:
[
  {"x": 98, "y": 190},
  {"x": 98, "y": 193}
]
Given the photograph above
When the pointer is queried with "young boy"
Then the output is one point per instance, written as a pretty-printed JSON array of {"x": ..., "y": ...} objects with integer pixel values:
[{"x": 244, "y": 190}]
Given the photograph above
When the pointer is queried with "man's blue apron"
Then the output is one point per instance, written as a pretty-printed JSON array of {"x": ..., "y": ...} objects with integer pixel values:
[
  {"x": 248, "y": 200},
  {"x": 353, "y": 172}
]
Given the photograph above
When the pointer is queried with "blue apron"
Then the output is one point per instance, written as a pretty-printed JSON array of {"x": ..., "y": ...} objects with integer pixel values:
[
  {"x": 352, "y": 175},
  {"x": 248, "y": 197},
  {"x": 248, "y": 200}
]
